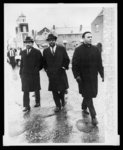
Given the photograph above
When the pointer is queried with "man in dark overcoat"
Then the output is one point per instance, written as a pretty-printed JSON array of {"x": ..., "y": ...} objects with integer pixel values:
[
  {"x": 31, "y": 64},
  {"x": 56, "y": 61},
  {"x": 86, "y": 64}
]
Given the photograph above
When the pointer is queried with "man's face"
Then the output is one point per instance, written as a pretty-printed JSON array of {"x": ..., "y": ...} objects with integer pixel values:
[
  {"x": 88, "y": 38},
  {"x": 29, "y": 45},
  {"x": 52, "y": 42}
]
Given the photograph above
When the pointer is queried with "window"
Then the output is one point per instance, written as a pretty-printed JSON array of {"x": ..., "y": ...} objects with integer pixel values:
[
  {"x": 24, "y": 28},
  {"x": 97, "y": 27}
]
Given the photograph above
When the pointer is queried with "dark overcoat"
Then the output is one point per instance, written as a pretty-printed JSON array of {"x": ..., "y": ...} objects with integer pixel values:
[
  {"x": 87, "y": 63},
  {"x": 30, "y": 66},
  {"x": 53, "y": 65}
]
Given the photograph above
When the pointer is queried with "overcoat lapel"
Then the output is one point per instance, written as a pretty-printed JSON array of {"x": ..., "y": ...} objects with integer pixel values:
[
  {"x": 50, "y": 51},
  {"x": 54, "y": 52}
]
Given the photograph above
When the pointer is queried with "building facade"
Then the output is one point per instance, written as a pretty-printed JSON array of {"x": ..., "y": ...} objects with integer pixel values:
[
  {"x": 22, "y": 30},
  {"x": 41, "y": 37},
  {"x": 70, "y": 37},
  {"x": 97, "y": 29},
  {"x": 110, "y": 67}
]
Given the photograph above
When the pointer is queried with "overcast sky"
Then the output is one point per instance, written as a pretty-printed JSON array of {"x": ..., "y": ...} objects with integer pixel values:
[{"x": 46, "y": 15}]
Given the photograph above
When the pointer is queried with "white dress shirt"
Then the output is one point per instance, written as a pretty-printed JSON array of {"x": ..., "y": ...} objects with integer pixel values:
[
  {"x": 54, "y": 49},
  {"x": 28, "y": 50},
  {"x": 11, "y": 53}
]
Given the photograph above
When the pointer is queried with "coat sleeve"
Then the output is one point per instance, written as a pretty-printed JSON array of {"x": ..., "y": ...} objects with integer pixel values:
[
  {"x": 40, "y": 61},
  {"x": 44, "y": 61},
  {"x": 66, "y": 60},
  {"x": 21, "y": 65},
  {"x": 76, "y": 63},
  {"x": 99, "y": 65}
]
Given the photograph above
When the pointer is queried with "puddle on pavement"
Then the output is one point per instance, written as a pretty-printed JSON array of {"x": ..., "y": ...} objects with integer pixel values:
[
  {"x": 41, "y": 130},
  {"x": 61, "y": 129},
  {"x": 36, "y": 129},
  {"x": 91, "y": 133},
  {"x": 45, "y": 126},
  {"x": 84, "y": 125},
  {"x": 92, "y": 137}
]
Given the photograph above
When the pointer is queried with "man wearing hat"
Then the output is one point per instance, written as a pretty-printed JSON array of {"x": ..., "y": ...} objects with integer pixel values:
[
  {"x": 31, "y": 64},
  {"x": 56, "y": 61}
]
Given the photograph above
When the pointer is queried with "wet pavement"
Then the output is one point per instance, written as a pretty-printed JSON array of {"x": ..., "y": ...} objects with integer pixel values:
[{"x": 42, "y": 125}]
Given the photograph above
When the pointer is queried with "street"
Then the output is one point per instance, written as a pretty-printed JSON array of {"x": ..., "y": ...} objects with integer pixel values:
[{"x": 42, "y": 125}]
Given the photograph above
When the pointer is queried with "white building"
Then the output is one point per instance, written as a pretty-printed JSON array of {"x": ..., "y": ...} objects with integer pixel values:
[{"x": 22, "y": 30}]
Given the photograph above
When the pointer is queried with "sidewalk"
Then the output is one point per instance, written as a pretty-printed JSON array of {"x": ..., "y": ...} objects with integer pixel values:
[{"x": 41, "y": 125}]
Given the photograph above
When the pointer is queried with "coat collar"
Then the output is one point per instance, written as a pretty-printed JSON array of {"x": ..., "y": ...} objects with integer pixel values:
[
  {"x": 86, "y": 45},
  {"x": 56, "y": 46},
  {"x": 30, "y": 51}
]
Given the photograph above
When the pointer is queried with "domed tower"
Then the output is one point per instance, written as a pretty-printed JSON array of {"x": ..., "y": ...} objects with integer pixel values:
[{"x": 22, "y": 30}]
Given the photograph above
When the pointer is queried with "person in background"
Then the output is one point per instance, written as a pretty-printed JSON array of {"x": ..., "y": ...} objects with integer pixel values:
[
  {"x": 99, "y": 46},
  {"x": 31, "y": 64},
  {"x": 18, "y": 56},
  {"x": 86, "y": 64},
  {"x": 11, "y": 57},
  {"x": 56, "y": 61}
]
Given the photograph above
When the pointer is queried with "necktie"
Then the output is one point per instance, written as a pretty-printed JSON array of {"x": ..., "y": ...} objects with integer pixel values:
[
  {"x": 52, "y": 51},
  {"x": 27, "y": 51}
]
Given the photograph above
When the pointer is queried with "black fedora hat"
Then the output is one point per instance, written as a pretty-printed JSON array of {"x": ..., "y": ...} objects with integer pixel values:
[
  {"x": 51, "y": 36},
  {"x": 28, "y": 39}
]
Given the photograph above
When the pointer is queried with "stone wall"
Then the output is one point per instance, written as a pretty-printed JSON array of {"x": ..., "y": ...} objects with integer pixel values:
[
  {"x": 109, "y": 56},
  {"x": 97, "y": 33}
]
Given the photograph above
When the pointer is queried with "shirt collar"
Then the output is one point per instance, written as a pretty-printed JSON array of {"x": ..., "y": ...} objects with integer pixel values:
[
  {"x": 54, "y": 48},
  {"x": 29, "y": 50}
]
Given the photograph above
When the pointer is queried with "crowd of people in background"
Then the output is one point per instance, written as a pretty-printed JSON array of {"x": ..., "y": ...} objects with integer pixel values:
[{"x": 14, "y": 56}]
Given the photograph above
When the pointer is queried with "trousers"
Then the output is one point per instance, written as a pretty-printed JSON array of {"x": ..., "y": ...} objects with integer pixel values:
[
  {"x": 88, "y": 103},
  {"x": 58, "y": 97},
  {"x": 26, "y": 99}
]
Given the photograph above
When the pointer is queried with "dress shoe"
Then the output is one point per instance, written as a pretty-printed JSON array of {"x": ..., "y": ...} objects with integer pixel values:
[
  {"x": 26, "y": 109},
  {"x": 37, "y": 105},
  {"x": 85, "y": 112},
  {"x": 57, "y": 109},
  {"x": 94, "y": 121}
]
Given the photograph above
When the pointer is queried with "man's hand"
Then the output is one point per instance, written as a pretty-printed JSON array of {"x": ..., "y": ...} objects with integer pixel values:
[
  {"x": 78, "y": 79},
  {"x": 63, "y": 68},
  {"x": 102, "y": 79}
]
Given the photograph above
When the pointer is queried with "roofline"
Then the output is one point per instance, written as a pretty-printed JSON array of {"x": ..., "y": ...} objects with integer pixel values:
[
  {"x": 98, "y": 15},
  {"x": 68, "y": 33}
]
